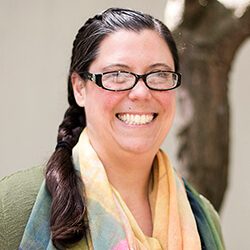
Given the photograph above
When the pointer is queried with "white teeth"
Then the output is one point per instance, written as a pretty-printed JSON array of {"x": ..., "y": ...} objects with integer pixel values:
[{"x": 135, "y": 119}]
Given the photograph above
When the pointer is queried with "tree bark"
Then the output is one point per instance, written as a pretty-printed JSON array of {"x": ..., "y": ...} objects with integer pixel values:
[{"x": 208, "y": 39}]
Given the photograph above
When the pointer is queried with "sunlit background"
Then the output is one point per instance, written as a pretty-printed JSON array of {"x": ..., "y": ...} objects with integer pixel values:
[{"x": 174, "y": 9}]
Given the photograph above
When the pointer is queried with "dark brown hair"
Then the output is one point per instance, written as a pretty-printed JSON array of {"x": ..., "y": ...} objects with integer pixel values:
[{"x": 62, "y": 180}]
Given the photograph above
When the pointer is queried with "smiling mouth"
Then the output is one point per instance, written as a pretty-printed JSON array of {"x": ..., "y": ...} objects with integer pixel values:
[{"x": 136, "y": 119}]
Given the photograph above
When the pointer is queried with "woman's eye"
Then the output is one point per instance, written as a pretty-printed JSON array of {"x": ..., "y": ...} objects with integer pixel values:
[
  {"x": 115, "y": 77},
  {"x": 163, "y": 74},
  {"x": 115, "y": 74},
  {"x": 120, "y": 78}
]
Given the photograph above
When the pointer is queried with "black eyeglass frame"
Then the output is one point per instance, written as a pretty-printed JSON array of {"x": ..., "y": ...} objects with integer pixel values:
[{"x": 97, "y": 78}]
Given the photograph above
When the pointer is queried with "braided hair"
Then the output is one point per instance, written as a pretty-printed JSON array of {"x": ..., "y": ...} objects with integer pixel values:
[{"x": 63, "y": 183}]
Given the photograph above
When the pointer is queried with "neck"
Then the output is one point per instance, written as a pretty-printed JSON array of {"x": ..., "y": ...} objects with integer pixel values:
[{"x": 129, "y": 173}]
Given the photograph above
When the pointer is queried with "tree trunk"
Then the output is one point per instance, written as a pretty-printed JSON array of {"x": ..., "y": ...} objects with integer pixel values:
[{"x": 208, "y": 39}]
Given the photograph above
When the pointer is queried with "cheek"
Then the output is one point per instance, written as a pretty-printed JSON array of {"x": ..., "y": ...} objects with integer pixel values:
[
  {"x": 169, "y": 107},
  {"x": 168, "y": 102},
  {"x": 101, "y": 101}
]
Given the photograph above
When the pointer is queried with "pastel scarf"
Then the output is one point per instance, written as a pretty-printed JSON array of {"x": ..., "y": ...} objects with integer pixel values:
[{"x": 111, "y": 224}]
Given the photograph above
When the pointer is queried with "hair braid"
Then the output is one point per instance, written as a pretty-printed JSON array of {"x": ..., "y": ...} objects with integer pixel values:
[{"x": 65, "y": 186}]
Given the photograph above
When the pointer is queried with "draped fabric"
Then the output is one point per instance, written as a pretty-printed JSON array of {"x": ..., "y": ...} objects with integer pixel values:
[{"x": 112, "y": 226}]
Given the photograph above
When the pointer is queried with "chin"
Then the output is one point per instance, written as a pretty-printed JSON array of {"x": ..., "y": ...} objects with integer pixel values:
[{"x": 139, "y": 147}]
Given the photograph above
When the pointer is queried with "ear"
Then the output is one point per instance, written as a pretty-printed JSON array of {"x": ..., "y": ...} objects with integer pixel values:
[{"x": 78, "y": 86}]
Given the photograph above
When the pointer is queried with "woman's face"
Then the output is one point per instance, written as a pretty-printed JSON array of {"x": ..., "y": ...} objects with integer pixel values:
[{"x": 110, "y": 114}]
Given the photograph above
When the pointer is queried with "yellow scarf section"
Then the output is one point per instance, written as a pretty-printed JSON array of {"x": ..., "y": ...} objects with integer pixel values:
[{"x": 112, "y": 224}]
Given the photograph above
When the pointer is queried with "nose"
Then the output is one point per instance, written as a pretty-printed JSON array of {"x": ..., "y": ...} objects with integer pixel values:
[{"x": 140, "y": 91}]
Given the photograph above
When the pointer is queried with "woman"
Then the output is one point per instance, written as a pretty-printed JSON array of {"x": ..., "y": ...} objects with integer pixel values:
[{"x": 108, "y": 185}]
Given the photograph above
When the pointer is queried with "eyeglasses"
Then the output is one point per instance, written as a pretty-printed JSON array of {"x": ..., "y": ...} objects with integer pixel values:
[{"x": 122, "y": 80}]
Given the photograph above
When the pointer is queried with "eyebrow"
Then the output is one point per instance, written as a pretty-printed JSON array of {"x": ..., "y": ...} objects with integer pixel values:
[
  {"x": 126, "y": 67},
  {"x": 115, "y": 66},
  {"x": 162, "y": 65}
]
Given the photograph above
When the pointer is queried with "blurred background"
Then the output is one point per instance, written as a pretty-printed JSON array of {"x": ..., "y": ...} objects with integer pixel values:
[{"x": 35, "y": 49}]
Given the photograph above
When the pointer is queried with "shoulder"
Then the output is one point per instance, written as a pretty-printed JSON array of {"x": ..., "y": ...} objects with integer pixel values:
[
  {"x": 17, "y": 196},
  {"x": 207, "y": 219}
]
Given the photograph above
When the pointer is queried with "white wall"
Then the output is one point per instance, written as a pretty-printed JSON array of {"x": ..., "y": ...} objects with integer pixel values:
[
  {"x": 35, "y": 46},
  {"x": 236, "y": 209}
]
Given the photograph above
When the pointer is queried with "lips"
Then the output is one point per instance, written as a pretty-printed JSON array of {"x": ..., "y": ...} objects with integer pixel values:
[{"x": 136, "y": 119}]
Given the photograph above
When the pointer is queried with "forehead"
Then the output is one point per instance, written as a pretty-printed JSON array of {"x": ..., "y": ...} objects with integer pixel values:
[{"x": 136, "y": 50}]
